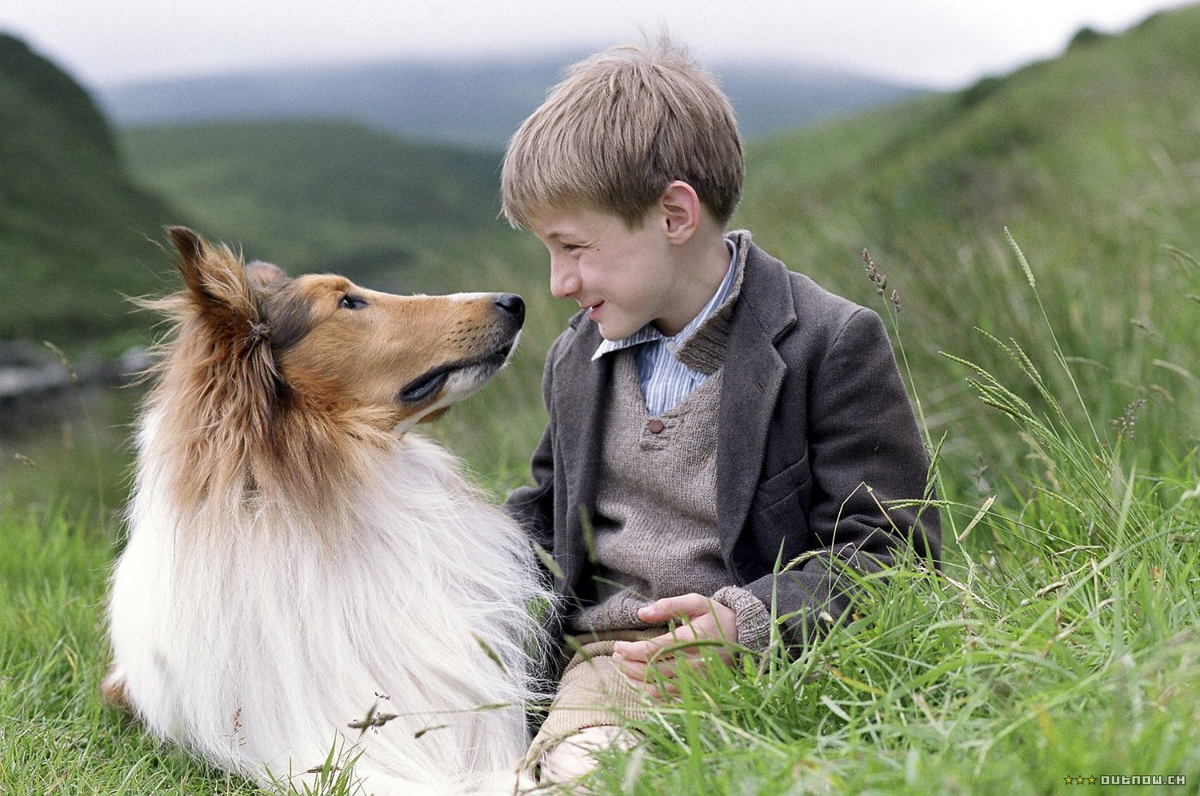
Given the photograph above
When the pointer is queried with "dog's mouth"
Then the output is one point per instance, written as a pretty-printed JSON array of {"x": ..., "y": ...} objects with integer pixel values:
[{"x": 431, "y": 382}]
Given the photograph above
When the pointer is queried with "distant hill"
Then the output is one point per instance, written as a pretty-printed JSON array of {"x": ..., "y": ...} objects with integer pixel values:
[
  {"x": 475, "y": 102},
  {"x": 1089, "y": 159},
  {"x": 1087, "y": 153},
  {"x": 73, "y": 225},
  {"x": 81, "y": 212},
  {"x": 328, "y": 195},
  {"x": 1092, "y": 162}
]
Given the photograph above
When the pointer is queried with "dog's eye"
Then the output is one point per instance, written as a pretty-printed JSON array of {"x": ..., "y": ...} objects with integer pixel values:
[{"x": 351, "y": 303}]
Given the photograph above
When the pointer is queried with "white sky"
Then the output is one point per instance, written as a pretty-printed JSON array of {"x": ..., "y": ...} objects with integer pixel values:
[{"x": 935, "y": 43}]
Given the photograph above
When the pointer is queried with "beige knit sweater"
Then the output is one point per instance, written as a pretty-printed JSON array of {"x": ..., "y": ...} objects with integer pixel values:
[{"x": 654, "y": 534}]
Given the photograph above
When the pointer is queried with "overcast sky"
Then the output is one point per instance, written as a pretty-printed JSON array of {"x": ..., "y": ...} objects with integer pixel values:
[{"x": 933, "y": 43}]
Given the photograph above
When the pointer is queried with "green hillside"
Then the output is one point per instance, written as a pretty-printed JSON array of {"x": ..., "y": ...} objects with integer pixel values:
[
  {"x": 73, "y": 226},
  {"x": 321, "y": 195},
  {"x": 1092, "y": 161}
]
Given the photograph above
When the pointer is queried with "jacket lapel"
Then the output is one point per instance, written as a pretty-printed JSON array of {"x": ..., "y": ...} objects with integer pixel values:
[
  {"x": 754, "y": 374},
  {"x": 580, "y": 387}
]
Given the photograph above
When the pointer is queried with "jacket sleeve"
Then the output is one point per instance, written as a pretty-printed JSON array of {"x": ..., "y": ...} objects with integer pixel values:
[
  {"x": 533, "y": 506},
  {"x": 865, "y": 451}
]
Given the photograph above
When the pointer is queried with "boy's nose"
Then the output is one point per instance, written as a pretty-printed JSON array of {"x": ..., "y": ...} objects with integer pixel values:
[{"x": 564, "y": 279}]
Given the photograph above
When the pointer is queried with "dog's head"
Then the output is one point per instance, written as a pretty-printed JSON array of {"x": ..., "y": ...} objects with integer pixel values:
[{"x": 322, "y": 344}]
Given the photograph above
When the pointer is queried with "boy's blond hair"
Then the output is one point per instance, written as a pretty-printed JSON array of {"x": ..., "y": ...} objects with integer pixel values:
[{"x": 617, "y": 130}]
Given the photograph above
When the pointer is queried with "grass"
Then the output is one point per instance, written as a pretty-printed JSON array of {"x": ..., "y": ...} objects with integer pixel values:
[
  {"x": 1086, "y": 159},
  {"x": 1056, "y": 380},
  {"x": 1058, "y": 645},
  {"x": 1060, "y": 641},
  {"x": 56, "y": 737}
]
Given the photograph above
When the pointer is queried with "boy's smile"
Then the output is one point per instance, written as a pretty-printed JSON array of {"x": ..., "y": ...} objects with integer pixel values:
[
  {"x": 620, "y": 276},
  {"x": 625, "y": 278}
]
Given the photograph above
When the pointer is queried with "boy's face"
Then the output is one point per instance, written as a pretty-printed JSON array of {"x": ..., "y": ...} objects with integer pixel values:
[{"x": 624, "y": 278}]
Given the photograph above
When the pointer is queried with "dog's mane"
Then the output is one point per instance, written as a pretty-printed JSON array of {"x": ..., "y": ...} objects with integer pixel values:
[
  {"x": 238, "y": 431},
  {"x": 345, "y": 593}
]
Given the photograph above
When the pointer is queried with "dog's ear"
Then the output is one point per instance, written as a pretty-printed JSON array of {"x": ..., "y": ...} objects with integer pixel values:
[
  {"x": 216, "y": 282},
  {"x": 189, "y": 245},
  {"x": 265, "y": 277}
]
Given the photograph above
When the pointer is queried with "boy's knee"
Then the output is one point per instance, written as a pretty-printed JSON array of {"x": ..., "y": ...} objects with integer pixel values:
[{"x": 574, "y": 756}]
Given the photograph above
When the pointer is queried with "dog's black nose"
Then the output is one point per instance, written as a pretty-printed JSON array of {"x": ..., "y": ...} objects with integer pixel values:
[{"x": 512, "y": 304}]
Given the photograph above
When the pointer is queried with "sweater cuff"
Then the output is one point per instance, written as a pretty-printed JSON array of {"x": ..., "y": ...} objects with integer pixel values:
[{"x": 753, "y": 618}]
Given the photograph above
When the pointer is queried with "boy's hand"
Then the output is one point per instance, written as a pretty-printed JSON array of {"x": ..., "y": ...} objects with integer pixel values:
[{"x": 704, "y": 620}]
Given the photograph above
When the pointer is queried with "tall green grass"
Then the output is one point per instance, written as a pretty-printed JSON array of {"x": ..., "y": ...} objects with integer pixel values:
[
  {"x": 1058, "y": 385},
  {"x": 1060, "y": 639},
  {"x": 1058, "y": 644},
  {"x": 55, "y": 736}
]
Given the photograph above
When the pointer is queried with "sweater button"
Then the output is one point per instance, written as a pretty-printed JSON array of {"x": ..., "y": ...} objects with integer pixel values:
[{"x": 655, "y": 426}]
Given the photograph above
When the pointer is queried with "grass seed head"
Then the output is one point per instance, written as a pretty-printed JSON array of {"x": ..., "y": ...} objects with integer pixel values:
[
  {"x": 1128, "y": 419},
  {"x": 873, "y": 273}
]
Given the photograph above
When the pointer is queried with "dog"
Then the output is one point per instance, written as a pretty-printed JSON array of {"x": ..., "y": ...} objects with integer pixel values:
[{"x": 303, "y": 576}]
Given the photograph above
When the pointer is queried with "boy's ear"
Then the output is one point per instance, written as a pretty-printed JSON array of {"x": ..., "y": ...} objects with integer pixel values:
[{"x": 682, "y": 209}]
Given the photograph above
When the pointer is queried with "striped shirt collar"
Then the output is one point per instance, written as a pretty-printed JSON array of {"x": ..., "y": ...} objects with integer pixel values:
[{"x": 650, "y": 332}]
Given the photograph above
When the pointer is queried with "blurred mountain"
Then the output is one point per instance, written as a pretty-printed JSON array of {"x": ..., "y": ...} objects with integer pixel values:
[
  {"x": 328, "y": 195},
  {"x": 73, "y": 225},
  {"x": 477, "y": 102}
]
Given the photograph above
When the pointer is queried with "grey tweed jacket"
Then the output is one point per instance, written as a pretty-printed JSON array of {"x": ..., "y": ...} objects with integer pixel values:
[{"x": 812, "y": 412}]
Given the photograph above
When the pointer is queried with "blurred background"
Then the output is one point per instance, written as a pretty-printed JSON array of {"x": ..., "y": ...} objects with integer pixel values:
[{"x": 365, "y": 138}]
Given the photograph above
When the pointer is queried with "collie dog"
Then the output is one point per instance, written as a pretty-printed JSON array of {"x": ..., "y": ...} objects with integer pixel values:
[{"x": 302, "y": 574}]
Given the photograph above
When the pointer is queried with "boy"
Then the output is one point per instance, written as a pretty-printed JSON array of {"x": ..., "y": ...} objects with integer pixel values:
[{"x": 713, "y": 416}]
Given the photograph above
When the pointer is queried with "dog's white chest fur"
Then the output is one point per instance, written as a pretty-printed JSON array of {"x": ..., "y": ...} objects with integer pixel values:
[{"x": 254, "y": 633}]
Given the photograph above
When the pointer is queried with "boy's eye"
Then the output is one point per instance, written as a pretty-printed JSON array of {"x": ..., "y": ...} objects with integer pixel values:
[
  {"x": 351, "y": 303},
  {"x": 570, "y": 247}
]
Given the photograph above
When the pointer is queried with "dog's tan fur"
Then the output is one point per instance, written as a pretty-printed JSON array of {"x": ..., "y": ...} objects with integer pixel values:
[{"x": 276, "y": 370}]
